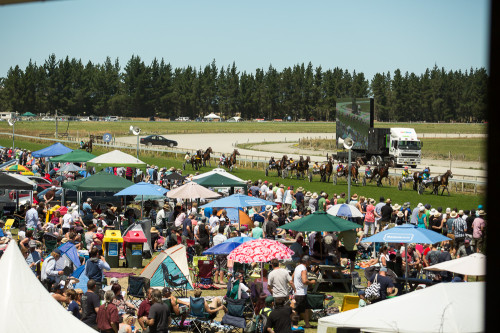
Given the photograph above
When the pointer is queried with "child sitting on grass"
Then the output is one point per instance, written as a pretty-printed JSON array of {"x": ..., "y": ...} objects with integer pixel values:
[{"x": 362, "y": 299}]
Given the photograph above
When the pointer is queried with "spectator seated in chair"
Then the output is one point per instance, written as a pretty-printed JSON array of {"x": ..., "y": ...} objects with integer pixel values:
[
  {"x": 177, "y": 307},
  {"x": 213, "y": 309}
]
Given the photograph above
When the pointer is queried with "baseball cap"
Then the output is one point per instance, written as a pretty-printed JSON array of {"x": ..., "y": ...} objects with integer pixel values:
[
  {"x": 361, "y": 292},
  {"x": 383, "y": 269},
  {"x": 57, "y": 251}
]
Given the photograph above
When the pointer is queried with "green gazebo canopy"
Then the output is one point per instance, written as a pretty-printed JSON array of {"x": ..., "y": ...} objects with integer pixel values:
[
  {"x": 321, "y": 221},
  {"x": 76, "y": 156},
  {"x": 101, "y": 181},
  {"x": 28, "y": 114}
]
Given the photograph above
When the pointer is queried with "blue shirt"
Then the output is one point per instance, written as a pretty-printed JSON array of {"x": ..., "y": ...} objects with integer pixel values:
[
  {"x": 33, "y": 257},
  {"x": 31, "y": 218}
]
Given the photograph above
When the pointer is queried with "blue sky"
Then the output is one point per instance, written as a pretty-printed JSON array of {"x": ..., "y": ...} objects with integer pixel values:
[{"x": 366, "y": 36}]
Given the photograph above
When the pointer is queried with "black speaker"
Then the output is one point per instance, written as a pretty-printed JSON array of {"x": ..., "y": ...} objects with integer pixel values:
[{"x": 348, "y": 330}]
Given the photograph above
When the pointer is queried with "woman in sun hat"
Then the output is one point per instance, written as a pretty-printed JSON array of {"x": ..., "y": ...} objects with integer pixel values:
[
  {"x": 313, "y": 202},
  {"x": 370, "y": 218}
]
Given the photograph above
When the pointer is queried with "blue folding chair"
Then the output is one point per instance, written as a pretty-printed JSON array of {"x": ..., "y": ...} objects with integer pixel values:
[
  {"x": 178, "y": 283},
  {"x": 199, "y": 318}
]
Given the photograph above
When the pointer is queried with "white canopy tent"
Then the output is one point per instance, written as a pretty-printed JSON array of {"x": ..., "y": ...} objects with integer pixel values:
[
  {"x": 115, "y": 158},
  {"x": 25, "y": 305},
  {"x": 219, "y": 171},
  {"x": 449, "y": 307},
  {"x": 212, "y": 116},
  {"x": 474, "y": 264}
]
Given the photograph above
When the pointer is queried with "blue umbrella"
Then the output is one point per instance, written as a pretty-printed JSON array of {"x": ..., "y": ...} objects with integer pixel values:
[
  {"x": 238, "y": 201},
  {"x": 143, "y": 188},
  {"x": 240, "y": 240},
  {"x": 222, "y": 248},
  {"x": 406, "y": 233}
]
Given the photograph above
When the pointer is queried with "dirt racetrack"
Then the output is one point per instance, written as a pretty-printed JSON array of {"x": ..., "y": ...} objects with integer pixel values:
[{"x": 284, "y": 144}]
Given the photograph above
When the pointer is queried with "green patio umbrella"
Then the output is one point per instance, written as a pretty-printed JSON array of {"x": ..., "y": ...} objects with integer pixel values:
[{"x": 321, "y": 221}]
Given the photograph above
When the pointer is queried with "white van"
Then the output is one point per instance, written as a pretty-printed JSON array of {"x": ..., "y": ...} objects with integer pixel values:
[
  {"x": 182, "y": 119},
  {"x": 113, "y": 118}
]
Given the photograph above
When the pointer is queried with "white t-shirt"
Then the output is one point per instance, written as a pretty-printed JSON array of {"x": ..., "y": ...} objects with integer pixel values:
[
  {"x": 269, "y": 195},
  {"x": 242, "y": 289},
  {"x": 300, "y": 288},
  {"x": 279, "y": 196},
  {"x": 67, "y": 220},
  {"x": 214, "y": 220}
]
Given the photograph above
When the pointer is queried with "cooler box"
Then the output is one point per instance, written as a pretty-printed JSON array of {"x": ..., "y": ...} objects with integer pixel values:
[
  {"x": 133, "y": 245},
  {"x": 111, "y": 247}
]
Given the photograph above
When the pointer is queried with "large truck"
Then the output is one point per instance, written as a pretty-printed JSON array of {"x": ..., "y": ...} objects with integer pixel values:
[{"x": 398, "y": 146}]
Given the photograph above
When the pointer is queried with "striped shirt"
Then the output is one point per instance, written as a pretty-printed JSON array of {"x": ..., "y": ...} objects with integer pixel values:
[{"x": 459, "y": 226}]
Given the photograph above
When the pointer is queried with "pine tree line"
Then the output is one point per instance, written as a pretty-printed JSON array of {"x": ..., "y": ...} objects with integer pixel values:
[{"x": 301, "y": 91}]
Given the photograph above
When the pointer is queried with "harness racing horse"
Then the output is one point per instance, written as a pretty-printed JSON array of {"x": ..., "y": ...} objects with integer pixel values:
[
  {"x": 326, "y": 169},
  {"x": 345, "y": 173},
  {"x": 88, "y": 145},
  {"x": 278, "y": 165},
  {"x": 206, "y": 156},
  {"x": 442, "y": 181},
  {"x": 379, "y": 172},
  {"x": 231, "y": 161},
  {"x": 303, "y": 167},
  {"x": 196, "y": 160},
  {"x": 417, "y": 179}
]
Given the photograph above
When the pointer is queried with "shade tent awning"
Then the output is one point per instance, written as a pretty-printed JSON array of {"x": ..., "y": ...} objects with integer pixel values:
[
  {"x": 116, "y": 158},
  {"x": 474, "y": 264},
  {"x": 55, "y": 150},
  {"x": 238, "y": 201},
  {"x": 75, "y": 156},
  {"x": 143, "y": 188},
  {"x": 25, "y": 304},
  {"x": 321, "y": 221},
  {"x": 70, "y": 168},
  {"x": 218, "y": 171},
  {"x": 101, "y": 181},
  {"x": 449, "y": 307},
  {"x": 174, "y": 176},
  {"x": 7, "y": 182},
  {"x": 28, "y": 114},
  {"x": 24, "y": 179},
  {"x": 212, "y": 116},
  {"x": 406, "y": 233},
  {"x": 192, "y": 190},
  {"x": 219, "y": 180}
]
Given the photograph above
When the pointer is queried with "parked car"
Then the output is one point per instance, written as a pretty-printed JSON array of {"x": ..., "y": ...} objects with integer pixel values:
[
  {"x": 48, "y": 119},
  {"x": 158, "y": 140},
  {"x": 182, "y": 119}
]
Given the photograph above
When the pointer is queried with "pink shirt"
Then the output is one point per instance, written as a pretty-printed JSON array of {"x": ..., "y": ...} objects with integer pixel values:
[
  {"x": 476, "y": 227},
  {"x": 370, "y": 216}
]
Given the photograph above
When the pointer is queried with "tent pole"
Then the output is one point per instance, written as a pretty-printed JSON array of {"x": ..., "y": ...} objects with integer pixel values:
[{"x": 142, "y": 203}]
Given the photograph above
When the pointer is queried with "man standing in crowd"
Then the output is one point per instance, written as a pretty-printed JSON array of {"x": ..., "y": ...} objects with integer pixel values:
[
  {"x": 90, "y": 305},
  {"x": 386, "y": 213},
  {"x": 301, "y": 282},
  {"x": 95, "y": 266},
  {"x": 279, "y": 281},
  {"x": 478, "y": 227},
  {"x": 158, "y": 314},
  {"x": 459, "y": 229},
  {"x": 378, "y": 214}
]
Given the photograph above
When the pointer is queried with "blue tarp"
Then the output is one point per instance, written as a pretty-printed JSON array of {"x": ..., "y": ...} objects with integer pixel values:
[
  {"x": 55, "y": 150},
  {"x": 70, "y": 251}
]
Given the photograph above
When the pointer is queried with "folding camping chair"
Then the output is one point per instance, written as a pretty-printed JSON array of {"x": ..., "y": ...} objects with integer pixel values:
[
  {"x": 194, "y": 265},
  {"x": 234, "y": 317},
  {"x": 356, "y": 282},
  {"x": 199, "y": 319},
  {"x": 137, "y": 289},
  {"x": 205, "y": 274},
  {"x": 178, "y": 283}
]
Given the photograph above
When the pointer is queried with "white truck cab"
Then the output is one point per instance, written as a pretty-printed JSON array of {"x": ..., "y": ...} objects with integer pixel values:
[{"x": 405, "y": 147}]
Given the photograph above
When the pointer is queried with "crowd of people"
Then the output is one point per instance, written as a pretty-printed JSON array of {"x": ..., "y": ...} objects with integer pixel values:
[{"x": 177, "y": 222}]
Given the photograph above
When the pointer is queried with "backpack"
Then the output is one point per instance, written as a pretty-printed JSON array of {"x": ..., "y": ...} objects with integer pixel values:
[
  {"x": 262, "y": 319},
  {"x": 84, "y": 306}
]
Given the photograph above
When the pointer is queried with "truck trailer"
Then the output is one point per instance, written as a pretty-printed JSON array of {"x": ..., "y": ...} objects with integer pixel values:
[{"x": 397, "y": 146}]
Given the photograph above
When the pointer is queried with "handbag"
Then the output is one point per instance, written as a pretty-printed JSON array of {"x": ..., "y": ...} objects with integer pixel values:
[{"x": 373, "y": 291}]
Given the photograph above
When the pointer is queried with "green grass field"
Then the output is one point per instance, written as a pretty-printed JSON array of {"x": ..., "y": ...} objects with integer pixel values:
[
  {"x": 463, "y": 201},
  {"x": 461, "y": 149},
  {"x": 84, "y": 129}
]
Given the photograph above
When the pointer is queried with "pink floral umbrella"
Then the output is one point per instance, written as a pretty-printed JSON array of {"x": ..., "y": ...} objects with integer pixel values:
[{"x": 260, "y": 250}]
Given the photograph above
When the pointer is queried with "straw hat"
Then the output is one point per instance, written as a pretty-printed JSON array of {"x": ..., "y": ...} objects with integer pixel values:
[
  {"x": 396, "y": 207},
  {"x": 460, "y": 212},
  {"x": 433, "y": 211},
  {"x": 276, "y": 210},
  {"x": 453, "y": 214},
  {"x": 315, "y": 195},
  {"x": 437, "y": 214},
  {"x": 154, "y": 230},
  {"x": 482, "y": 213},
  {"x": 372, "y": 201},
  {"x": 296, "y": 217},
  {"x": 394, "y": 292},
  {"x": 400, "y": 214},
  {"x": 282, "y": 186},
  {"x": 269, "y": 208},
  {"x": 300, "y": 189},
  {"x": 308, "y": 194},
  {"x": 354, "y": 196}
]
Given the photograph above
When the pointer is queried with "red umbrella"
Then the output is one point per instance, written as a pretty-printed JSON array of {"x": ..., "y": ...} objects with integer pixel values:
[{"x": 260, "y": 250}]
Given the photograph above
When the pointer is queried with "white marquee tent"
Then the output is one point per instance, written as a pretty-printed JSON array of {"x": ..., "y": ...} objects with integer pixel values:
[
  {"x": 449, "y": 307},
  {"x": 25, "y": 305},
  {"x": 212, "y": 116},
  {"x": 115, "y": 158},
  {"x": 219, "y": 171}
]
